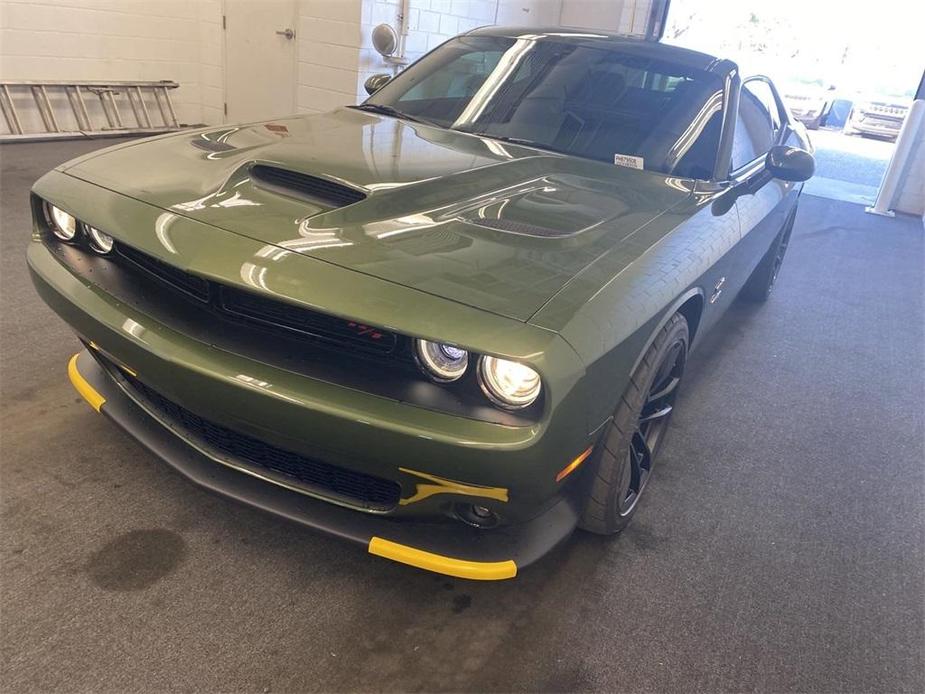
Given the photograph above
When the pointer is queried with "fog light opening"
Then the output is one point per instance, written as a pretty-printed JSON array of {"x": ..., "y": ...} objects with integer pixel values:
[{"x": 476, "y": 515}]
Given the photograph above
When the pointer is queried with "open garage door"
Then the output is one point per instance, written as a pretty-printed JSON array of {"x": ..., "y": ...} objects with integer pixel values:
[{"x": 849, "y": 75}]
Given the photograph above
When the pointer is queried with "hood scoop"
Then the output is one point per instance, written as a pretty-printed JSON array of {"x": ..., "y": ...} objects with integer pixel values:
[{"x": 320, "y": 191}]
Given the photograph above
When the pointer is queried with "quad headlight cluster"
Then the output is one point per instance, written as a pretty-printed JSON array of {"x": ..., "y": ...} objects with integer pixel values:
[
  {"x": 67, "y": 228},
  {"x": 508, "y": 384}
]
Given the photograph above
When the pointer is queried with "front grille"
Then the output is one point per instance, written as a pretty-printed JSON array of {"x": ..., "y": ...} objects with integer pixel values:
[
  {"x": 318, "y": 325},
  {"x": 349, "y": 487},
  {"x": 249, "y": 307},
  {"x": 886, "y": 120},
  {"x": 886, "y": 110},
  {"x": 176, "y": 278},
  {"x": 328, "y": 193}
]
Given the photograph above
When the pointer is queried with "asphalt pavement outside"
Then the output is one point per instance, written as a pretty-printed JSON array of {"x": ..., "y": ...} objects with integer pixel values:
[
  {"x": 848, "y": 168},
  {"x": 780, "y": 548}
]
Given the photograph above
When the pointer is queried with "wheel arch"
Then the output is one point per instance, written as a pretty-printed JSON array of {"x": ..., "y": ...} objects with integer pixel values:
[
  {"x": 690, "y": 305},
  {"x": 608, "y": 371},
  {"x": 692, "y": 310}
]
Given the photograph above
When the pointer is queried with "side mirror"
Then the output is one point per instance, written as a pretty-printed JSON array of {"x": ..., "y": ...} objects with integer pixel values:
[
  {"x": 790, "y": 163},
  {"x": 375, "y": 83}
]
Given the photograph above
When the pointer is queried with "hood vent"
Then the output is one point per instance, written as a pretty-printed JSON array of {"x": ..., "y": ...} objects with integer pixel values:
[
  {"x": 317, "y": 190},
  {"x": 521, "y": 228}
]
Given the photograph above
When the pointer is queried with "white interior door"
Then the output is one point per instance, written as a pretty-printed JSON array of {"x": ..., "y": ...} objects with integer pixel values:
[{"x": 260, "y": 59}]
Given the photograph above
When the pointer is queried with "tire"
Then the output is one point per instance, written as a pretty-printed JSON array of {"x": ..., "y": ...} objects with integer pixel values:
[
  {"x": 631, "y": 440},
  {"x": 758, "y": 287}
]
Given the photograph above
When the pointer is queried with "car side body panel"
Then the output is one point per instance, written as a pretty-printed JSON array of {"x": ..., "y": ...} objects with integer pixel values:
[{"x": 612, "y": 311}]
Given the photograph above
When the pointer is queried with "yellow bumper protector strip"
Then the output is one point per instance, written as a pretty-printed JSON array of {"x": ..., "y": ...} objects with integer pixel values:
[
  {"x": 445, "y": 486},
  {"x": 460, "y": 568},
  {"x": 85, "y": 389}
]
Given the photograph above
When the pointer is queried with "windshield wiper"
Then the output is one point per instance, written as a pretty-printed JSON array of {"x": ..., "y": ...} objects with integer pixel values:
[
  {"x": 517, "y": 141},
  {"x": 391, "y": 111}
]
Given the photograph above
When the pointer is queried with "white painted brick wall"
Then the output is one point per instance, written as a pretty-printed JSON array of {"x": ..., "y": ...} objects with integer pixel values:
[
  {"x": 182, "y": 40},
  {"x": 211, "y": 61},
  {"x": 623, "y": 16},
  {"x": 119, "y": 40},
  {"x": 330, "y": 36}
]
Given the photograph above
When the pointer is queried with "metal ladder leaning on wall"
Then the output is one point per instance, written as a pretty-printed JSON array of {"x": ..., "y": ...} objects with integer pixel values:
[{"x": 103, "y": 119}]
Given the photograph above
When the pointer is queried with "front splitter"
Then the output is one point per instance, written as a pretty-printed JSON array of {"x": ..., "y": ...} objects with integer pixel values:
[{"x": 445, "y": 547}]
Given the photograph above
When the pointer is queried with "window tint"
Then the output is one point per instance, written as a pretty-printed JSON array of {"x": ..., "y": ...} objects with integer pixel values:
[
  {"x": 459, "y": 78},
  {"x": 594, "y": 102},
  {"x": 762, "y": 91},
  {"x": 757, "y": 123}
]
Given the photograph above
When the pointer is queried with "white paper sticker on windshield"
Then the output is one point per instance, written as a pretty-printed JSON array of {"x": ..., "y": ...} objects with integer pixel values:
[{"x": 629, "y": 161}]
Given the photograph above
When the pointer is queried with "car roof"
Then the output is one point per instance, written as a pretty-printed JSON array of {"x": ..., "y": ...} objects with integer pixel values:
[{"x": 631, "y": 44}]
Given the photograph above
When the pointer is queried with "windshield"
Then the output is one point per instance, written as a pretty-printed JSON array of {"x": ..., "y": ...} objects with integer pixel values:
[{"x": 602, "y": 103}]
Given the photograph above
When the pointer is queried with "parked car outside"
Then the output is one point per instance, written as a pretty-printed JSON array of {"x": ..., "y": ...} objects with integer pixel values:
[
  {"x": 450, "y": 323},
  {"x": 878, "y": 116},
  {"x": 810, "y": 102}
]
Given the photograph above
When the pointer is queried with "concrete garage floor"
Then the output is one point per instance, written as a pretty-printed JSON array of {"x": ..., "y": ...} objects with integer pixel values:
[{"x": 780, "y": 548}]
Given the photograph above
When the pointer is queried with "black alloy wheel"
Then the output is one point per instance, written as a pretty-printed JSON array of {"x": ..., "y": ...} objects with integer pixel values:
[
  {"x": 779, "y": 255},
  {"x": 622, "y": 464},
  {"x": 653, "y": 420},
  {"x": 761, "y": 282}
]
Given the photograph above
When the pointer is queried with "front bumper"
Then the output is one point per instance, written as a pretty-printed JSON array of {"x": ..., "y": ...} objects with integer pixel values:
[
  {"x": 449, "y": 548},
  {"x": 807, "y": 114},
  {"x": 439, "y": 460}
]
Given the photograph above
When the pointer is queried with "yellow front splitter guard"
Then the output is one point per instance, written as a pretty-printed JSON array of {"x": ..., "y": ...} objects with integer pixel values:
[
  {"x": 80, "y": 384},
  {"x": 460, "y": 568}
]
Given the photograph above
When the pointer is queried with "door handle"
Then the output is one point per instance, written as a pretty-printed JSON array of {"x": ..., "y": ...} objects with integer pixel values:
[{"x": 288, "y": 33}]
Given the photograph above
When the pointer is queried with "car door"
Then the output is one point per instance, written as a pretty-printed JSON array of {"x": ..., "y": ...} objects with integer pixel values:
[{"x": 761, "y": 123}]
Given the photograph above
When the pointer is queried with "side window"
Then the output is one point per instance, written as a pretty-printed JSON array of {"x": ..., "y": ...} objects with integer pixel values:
[
  {"x": 757, "y": 125},
  {"x": 762, "y": 91}
]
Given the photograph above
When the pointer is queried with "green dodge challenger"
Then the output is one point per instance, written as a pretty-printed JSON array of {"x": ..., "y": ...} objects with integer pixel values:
[{"x": 448, "y": 323}]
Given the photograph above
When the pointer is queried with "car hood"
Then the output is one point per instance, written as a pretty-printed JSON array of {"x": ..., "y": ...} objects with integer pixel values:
[{"x": 493, "y": 225}]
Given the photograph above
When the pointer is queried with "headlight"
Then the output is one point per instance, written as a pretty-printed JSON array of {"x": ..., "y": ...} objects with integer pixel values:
[
  {"x": 507, "y": 383},
  {"x": 62, "y": 224},
  {"x": 441, "y": 362},
  {"x": 99, "y": 241}
]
